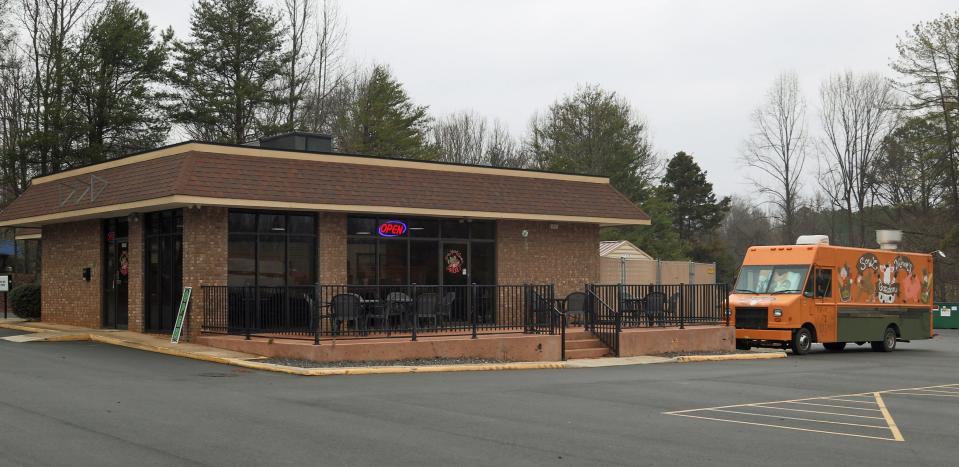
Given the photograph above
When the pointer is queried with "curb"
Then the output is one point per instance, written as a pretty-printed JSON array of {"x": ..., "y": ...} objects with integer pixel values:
[
  {"x": 253, "y": 364},
  {"x": 290, "y": 370},
  {"x": 21, "y": 327},
  {"x": 728, "y": 357},
  {"x": 382, "y": 370}
]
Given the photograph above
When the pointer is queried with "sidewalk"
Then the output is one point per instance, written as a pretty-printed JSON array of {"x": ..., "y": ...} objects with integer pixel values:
[{"x": 40, "y": 332}]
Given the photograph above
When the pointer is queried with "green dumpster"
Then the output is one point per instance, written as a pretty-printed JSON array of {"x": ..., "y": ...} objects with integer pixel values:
[{"x": 945, "y": 316}]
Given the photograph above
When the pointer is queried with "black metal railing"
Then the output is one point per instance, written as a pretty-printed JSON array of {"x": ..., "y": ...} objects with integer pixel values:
[
  {"x": 677, "y": 305},
  {"x": 602, "y": 320},
  {"x": 362, "y": 311}
]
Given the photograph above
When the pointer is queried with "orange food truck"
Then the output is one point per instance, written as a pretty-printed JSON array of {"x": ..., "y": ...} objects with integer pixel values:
[{"x": 795, "y": 295}]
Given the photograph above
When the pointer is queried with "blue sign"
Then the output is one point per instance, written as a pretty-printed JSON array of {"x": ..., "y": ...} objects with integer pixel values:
[{"x": 8, "y": 247}]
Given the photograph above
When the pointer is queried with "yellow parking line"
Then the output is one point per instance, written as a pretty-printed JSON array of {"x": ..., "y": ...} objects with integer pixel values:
[
  {"x": 766, "y": 405},
  {"x": 786, "y": 427},
  {"x": 800, "y": 419},
  {"x": 889, "y": 421},
  {"x": 836, "y": 406}
]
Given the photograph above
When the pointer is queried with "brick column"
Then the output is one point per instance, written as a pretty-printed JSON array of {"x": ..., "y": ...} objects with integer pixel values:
[
  {"x": 135, "y": 290},
  {"x": 205, "y": 242},
  {"x": 332, "y": 248}
]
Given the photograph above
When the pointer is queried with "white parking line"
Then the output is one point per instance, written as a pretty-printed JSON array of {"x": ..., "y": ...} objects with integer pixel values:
[{"x": 868, "y": 402}]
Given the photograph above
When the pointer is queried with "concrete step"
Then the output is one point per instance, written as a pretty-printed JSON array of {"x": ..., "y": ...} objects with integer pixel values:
[
  {"x": 579, "y": 335},
  {"x": 587, "y": 353},
  {"x": 584, "y": 344}
]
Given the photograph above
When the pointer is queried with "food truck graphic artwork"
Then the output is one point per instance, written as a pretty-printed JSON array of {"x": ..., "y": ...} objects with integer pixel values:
[{"x": 794, "y": 295}]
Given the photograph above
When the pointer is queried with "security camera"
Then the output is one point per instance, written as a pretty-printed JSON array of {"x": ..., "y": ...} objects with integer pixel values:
[{"x": 940, "y": 253}]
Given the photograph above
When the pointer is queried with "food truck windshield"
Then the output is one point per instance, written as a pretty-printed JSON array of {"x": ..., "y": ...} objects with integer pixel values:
[{"x": 772, "y": 279}]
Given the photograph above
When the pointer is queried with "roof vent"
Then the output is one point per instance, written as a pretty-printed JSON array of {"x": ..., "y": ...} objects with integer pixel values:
[
  {"x": 889, "y": 239},
  {"x": 812, "y": 240},
  {"x": 299, "y": 141}
]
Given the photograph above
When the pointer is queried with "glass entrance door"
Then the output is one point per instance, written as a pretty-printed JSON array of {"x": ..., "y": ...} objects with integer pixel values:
[
  {"x": 116, "y": 272},
  {"x": 163, "y": 243}
]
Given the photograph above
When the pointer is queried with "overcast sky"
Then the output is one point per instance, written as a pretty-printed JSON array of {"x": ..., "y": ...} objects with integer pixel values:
[{"x": 693, "y": 69}]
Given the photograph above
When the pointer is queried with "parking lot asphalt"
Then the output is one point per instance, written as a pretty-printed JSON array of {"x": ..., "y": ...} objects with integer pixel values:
[{"x": 82, "y": 403}]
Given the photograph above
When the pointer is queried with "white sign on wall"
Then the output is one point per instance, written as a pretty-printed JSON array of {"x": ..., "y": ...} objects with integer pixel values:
[{"x": 4, "y": 283}]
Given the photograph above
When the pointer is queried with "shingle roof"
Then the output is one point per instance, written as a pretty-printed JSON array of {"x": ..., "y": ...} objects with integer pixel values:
[{"x": 230, "y": 176}]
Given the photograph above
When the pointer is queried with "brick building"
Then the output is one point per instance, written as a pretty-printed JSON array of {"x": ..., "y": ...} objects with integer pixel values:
[{"x": 122, "y": 238}]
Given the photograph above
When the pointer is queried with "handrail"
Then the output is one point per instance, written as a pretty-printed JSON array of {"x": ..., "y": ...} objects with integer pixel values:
[
  {"x": 603, "y": 302},
  {"x": 562, "y": 330}
]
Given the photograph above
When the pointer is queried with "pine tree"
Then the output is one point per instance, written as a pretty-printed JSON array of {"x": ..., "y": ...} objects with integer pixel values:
[
  {"x": 381, "y": 119},
  {"x": 115, "y": 70},
  {"x": 696, "y": 212},
  {"x": 225, "y": 75}
]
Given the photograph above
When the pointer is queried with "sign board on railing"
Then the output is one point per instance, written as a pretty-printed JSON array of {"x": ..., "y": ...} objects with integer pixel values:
[{"x": 181, "y": 315}]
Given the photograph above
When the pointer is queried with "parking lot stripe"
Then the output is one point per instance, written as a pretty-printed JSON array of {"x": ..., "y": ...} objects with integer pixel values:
[
  {"x": 925, "y": 394},
  {"x": 836, "y": 406},
  {"x": 801, "y": 419},
  {"x": 767, "y": 405},
  {"x": 786, "y": 427},
  {"x": 937, "y": 391},
  {"x": 848, "y": 400},
  {"x": 889, "y": 421}
]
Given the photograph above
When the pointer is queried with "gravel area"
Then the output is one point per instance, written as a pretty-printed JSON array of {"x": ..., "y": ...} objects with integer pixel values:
[{"x": 347, "y": 364}]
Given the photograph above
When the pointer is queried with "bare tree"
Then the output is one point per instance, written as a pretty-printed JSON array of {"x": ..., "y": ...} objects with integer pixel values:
[
  {"x": 857, "y": 112},
  {"x": 777, "y": 149},
  {"x": 329, "y": 75},
  {"x": 298, "y": 18},
  {"x": 468, "y": 138},
  {"x": 48, "y": 25},
  {"x": 461, "y": 137},
  {"x": 502, "y": 149}
]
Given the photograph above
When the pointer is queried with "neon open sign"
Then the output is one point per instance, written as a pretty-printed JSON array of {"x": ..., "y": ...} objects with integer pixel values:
[{"x": 392, "y": 229}]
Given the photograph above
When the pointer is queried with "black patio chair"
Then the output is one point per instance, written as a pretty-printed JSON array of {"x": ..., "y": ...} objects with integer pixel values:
[
  {"x": 446, "y": 307},
  {"x": 576, "y": 307},
  {"x": 396, "y": 307},
  {"x": 672, "y": 308},
  {"x": 427, "y": 306},
  {"x": 346, "y": 308},
  {"x": 655, "y": 307},
  {"x": 632, "y": 309},
  {"x": 540, "y": 309}
]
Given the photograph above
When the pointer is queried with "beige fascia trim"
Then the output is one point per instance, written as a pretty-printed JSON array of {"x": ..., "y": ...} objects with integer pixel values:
[
  {"x": 27, "y": 237},
  {"x": 253, "y": 151},
  {"x": 184, "y": 200}
]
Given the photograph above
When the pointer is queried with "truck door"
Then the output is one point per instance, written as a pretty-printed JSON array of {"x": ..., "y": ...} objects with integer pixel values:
[{"x": 824, "y": 298}]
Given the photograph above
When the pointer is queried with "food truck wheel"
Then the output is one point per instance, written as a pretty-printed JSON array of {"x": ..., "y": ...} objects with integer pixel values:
[
  {"x": 802, "y": 341},
  {"x": 835, "y": 346},
  {"x": 888, "y": 342}
]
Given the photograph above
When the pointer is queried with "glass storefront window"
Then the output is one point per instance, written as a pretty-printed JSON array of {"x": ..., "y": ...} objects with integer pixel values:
[
  {"x": 361, "y": 262},
  {"x": 271, "y": 249},
  {"x": 416, "y": 257},
  {"x": 393, "y": 262}
]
